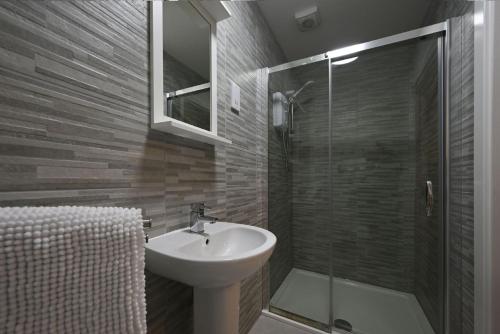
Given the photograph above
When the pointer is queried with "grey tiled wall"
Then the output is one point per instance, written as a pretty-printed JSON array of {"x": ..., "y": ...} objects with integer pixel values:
[
  {"x": 429, "y": 265},
  {"x": 462, "y": 177},
  {"x": 74, "y": 127},
  {"x": 461, "y": 209},
  {"x": 280, "y": 188},
  {"x": 311, "y": 222}
]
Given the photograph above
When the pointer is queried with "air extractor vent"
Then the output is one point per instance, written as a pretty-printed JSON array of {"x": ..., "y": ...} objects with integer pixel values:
[{"x": 307, "y": 19}]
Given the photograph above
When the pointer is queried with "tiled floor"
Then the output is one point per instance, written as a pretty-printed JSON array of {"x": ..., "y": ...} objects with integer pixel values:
[{"x": 266, "y": 325}]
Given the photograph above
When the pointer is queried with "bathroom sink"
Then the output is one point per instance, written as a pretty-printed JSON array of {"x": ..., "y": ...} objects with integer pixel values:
[
  {"x": 225, "y": 254},
  {"x": 214, "y": 263}
]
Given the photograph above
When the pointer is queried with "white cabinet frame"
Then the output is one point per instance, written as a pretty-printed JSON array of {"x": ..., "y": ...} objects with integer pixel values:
[{"x": 212, "y": 11}]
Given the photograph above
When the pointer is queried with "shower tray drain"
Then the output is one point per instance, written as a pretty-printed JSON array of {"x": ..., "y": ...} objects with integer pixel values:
[{"x": 343, "y": 324}]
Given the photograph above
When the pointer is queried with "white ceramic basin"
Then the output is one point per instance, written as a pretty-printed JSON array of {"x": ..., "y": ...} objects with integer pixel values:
[
  {"x": 226, "y": 254},
  {"x": 214, "y": 264}
]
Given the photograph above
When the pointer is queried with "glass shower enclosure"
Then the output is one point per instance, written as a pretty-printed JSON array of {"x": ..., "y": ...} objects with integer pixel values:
[{"x": 357, "y": 186}]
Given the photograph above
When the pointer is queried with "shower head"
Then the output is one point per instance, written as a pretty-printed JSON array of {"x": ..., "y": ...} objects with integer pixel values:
[{"x": 298, "y": 91}]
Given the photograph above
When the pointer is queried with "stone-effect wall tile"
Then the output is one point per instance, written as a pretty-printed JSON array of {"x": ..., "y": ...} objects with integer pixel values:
[
  {"x": 429, "y": 264},
  {"x": 279, "y": 190},
  {"x": 74, "y": 114},
  {"x": 461, "y": 210}
]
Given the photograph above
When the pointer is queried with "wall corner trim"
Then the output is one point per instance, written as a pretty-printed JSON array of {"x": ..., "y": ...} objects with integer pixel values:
[{"x": 486, "y": 168}]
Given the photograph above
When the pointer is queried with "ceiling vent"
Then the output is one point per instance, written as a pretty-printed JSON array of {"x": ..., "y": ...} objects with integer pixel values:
[{"x": 307, "y": 19}]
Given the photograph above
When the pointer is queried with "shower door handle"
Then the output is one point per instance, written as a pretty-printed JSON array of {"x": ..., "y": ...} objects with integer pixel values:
[{"x": 429, "y": 198}]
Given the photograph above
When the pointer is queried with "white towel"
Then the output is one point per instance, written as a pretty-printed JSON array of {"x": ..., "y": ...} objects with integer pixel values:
[{"x": 71, "y": 270}]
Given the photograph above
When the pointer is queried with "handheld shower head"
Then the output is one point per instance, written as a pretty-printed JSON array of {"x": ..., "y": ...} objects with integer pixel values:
[{"x": 298, "y": 91}]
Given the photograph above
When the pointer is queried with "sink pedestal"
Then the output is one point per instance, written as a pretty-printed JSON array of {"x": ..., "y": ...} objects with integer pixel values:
[
  {"x": 216, "y": 310},
  {"x": 213, "y": 264}
]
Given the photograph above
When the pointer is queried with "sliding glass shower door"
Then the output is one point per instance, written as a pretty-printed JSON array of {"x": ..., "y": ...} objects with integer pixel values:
[
  {"x": 386, "y": 226},
  {"x": 356, "y": 189},
  {"x": 299, "y": 202}
]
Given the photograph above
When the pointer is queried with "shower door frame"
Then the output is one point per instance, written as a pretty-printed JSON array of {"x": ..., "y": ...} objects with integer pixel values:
[{"x": 441, "y": 31}]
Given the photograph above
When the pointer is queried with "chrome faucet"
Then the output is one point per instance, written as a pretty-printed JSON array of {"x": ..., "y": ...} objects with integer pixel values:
[{"x": 198, "y": 218}]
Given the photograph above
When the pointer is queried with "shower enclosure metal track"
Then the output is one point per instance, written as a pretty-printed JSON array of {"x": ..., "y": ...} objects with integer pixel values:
[{"x": 357, "y": 48}]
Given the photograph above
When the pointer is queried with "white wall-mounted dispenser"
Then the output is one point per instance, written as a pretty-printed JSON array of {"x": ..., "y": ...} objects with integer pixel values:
[{"x": 280, "y": 111}]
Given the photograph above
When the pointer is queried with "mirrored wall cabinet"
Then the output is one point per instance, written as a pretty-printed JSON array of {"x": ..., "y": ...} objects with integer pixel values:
[{"x": 184, "y": 68}]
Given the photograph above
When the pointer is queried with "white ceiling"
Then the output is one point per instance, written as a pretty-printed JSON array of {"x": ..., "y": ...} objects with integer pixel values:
[{"x": 343, "y": 22}]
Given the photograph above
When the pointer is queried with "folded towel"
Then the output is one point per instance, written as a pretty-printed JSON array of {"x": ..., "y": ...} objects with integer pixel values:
[{"x": 71, "y": 270}]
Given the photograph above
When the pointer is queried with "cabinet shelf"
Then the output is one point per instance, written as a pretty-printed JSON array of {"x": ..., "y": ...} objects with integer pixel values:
[{"x": 171, "y": 125}]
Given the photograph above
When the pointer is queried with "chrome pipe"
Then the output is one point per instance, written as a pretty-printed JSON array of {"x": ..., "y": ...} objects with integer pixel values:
[{"x": 147, "y": 223}]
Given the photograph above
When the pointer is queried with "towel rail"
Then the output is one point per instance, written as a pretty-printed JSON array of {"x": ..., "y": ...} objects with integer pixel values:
[{"x": 147, "y": 223}]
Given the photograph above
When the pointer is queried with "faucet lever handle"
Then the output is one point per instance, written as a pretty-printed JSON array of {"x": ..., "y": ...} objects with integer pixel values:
[{"x": 199, "y": 207}]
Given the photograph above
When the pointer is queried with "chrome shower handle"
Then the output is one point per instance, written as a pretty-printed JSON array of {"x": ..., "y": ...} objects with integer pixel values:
[{"x": 429, "y": 198}]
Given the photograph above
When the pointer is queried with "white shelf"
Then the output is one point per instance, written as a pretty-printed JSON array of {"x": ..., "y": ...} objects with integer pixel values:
[{"x": 185, "y": 130}]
